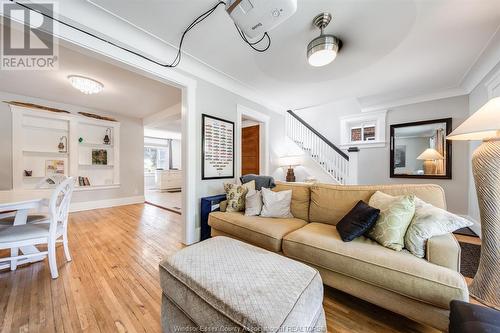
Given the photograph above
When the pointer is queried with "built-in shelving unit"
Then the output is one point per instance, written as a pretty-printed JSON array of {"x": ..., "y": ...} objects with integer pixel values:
[{"x": 35, "y": 146}]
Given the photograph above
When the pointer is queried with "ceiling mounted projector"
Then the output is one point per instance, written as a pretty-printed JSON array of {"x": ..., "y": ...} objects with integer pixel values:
[
  {"x": 323, "y": 50},
  {"x": 256, "y": 17}
]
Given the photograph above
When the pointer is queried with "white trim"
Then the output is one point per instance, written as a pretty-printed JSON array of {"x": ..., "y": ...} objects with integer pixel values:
[
  {"x": 378, "y": 117},
  {"x": 487, "y": 59},
  {"x": 161, "y": 50},
  {"x": 92, "y": 47},
  {"x": 264, "y": 120},
  {"x": 416, "y": 99},
  {"x": 107, "y": 203},
  {"x": 493, "y": 85}
]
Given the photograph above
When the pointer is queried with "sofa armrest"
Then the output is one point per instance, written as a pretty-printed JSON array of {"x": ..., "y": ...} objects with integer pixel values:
[{"x": 444, "y": 251}]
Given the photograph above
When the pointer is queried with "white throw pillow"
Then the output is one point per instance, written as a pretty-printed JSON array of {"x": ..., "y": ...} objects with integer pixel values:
[
  {"x": 253, "y": 203},
  {"x": 430, "y": 221},
  {"x": 276, "y": 204}
]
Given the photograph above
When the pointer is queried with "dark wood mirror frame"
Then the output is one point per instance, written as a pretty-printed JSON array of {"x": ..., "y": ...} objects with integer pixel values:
[{"x": 448, "y": 145}]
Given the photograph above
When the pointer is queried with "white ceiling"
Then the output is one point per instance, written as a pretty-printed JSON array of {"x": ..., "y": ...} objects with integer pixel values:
[
  {"x": 124, "y": 92},
  {"x": 168, "y": 124},
  {"x": 392, "y": 49}
]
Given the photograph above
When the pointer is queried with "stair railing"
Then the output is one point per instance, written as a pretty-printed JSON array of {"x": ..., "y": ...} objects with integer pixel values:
[{"x": 330, "y": 158}]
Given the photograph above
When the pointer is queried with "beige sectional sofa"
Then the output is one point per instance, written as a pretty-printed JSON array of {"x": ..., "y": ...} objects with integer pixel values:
[{"x": 420, "y": 289}]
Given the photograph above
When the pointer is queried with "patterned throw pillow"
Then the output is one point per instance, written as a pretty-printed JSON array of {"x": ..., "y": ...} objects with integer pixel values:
[
  {"x": 235, "y": 195},
  {"x": 430, "y": 221},
  {"x": 396, "y": 214}
]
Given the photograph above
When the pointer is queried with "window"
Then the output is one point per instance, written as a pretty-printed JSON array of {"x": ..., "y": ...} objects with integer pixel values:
[
  {"x": 363, "y": 130},
  {"x": 155, "y": 158}
]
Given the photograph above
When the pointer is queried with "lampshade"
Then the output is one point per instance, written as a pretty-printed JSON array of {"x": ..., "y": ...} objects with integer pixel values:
[
  {"x": 287, "y": 161},
  {"x": 430, "y": 154},
  {"x": 484, "y": 124}
]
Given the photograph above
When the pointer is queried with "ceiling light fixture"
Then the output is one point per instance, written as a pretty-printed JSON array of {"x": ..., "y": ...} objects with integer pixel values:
[
  {"x": 323, "y": 50},
  {"x": 86, "y": 85}
]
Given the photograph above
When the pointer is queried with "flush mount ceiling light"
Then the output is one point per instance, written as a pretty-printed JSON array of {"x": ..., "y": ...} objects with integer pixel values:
[
  {"x": 86, "y": 85},
  {"x": 323, "y": 50}
]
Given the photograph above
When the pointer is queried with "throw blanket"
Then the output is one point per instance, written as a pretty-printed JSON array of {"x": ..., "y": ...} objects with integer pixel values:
[{"x": 260, "y": 181}]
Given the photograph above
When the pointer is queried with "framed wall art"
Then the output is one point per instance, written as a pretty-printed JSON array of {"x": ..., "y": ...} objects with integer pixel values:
[{"x": 217, "y": 148}]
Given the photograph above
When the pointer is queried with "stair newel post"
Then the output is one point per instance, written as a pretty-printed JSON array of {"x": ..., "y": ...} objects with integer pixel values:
[{"x": 353, "y": 153}]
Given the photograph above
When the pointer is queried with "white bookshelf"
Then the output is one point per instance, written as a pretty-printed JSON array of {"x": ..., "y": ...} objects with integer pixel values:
[{"x": 35, "y": 139}]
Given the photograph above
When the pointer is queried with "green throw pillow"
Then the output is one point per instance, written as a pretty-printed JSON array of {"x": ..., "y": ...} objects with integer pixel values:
[{"x": 395, "y": 216}]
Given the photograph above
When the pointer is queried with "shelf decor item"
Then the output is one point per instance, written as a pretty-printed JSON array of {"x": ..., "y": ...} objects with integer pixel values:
[
  {"x": 485, "y": 125},
  {"x": 28, "y": 173},
  {"x": 63, "y": 144},
  {"x": 99, "y": 157},
  {"x": 95, "y": 116},
  {"x": 217, "y": 148},
  {"x": 107, "y": 139},
  {"x": 54, "y": 167},
  {"x": 36, "y": 106}
]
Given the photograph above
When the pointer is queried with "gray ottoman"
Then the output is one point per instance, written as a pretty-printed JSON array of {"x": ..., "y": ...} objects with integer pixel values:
[{"x": 224, "y": 285}]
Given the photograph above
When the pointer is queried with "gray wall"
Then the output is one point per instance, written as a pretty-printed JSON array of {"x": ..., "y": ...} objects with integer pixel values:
[
  {"x": 374, "y": 162},
  {"x": 215, "y": 101},
  {"x": 131, "y": 151}
]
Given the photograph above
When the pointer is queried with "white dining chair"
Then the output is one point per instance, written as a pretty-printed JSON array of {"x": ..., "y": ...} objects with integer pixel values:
[
  {"x": 52, "y": 231},
  {"x": 47, "y": 182}
]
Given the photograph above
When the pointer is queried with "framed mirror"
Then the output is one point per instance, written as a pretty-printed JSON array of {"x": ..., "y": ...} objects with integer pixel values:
[{"x": 420, "y": 149}]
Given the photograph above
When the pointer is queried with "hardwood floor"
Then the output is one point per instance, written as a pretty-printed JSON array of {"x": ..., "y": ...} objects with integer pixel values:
[{"x": 112, "y": 284}]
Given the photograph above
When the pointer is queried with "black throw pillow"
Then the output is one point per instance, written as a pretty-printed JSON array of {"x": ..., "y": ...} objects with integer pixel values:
[{"x": 358, "y": 221}]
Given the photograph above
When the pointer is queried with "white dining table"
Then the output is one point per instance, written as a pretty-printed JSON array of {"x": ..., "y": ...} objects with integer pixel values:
[{"x": 22, "y": 202}]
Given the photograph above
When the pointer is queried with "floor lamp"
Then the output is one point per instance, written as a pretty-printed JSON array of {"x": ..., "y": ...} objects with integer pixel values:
[{"x": 485, "y": 125}]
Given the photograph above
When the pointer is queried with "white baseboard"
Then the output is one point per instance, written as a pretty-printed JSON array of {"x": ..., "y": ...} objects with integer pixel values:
[
  {"x": 89, "y": 205},
  {"x": 476, "y": 227}
]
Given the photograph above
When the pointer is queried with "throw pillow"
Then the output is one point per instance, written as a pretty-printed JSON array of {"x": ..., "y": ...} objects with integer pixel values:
[
  {"x": 253, "y": 203},
  {"x": 236, "y": 194},
  {"x": 276, "y": 204},
  {"x": 358, "y": 221},
  {"x": 396, "y": 214},
  {"x": 430, "y": 221}
]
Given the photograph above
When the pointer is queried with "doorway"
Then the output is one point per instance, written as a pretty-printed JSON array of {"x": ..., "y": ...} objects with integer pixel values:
[
  {"x": 163, "y": 178},
  {"x": 250, "y": 147}
]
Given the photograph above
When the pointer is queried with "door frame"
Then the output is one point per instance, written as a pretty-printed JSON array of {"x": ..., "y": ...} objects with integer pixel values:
[
  {"x": 263, "y": 120},
  {"x": 95, "y": 48}
]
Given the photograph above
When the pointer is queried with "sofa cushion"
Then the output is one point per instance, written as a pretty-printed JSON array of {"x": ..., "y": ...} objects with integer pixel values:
[
  {"x": 261, "y": 231},
  {"x": 329, "y": 203},
  {"x": 301, "y": 196},
  {"x": 400, "y": 272}
]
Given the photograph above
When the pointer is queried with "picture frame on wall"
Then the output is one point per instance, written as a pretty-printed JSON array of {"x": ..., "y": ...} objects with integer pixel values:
[
  {"x": 54, "y": 167},
  {"x": 217, "y": 148}
]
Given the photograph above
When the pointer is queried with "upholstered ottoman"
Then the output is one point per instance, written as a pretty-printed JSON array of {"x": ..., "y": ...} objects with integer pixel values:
[{"x": 224, "y": 285}]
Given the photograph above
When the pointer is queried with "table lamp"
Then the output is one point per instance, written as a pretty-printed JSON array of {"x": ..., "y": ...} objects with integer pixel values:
[
  {"x": 430, "y": 156},
  {"x": 485, "y": 125},
  {"x": 290, "y": 162}
]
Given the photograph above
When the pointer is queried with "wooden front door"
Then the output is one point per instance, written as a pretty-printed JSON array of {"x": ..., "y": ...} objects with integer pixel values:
[{"x": 250, "y": 150}]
